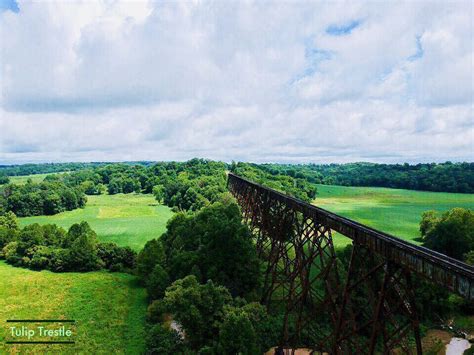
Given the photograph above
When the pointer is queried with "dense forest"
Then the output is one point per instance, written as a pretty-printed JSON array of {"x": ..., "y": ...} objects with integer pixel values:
[{"x": 444, "y": 177}]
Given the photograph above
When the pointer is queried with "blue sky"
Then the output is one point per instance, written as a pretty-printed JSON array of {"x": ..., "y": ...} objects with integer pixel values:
[
  {"x": 9, "y": 5},
  {"x": 258, "y": 81}
]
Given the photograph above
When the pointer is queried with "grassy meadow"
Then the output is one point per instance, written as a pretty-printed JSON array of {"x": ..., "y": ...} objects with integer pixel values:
[
  {"x": 109, "y": 309},
  {"x": 125, "y": 219},
  {"x": 22, "y": 179},
  {"x": 394, "y": 211}
]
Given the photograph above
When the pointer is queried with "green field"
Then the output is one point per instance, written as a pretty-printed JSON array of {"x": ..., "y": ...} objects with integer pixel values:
[
  {"x": 130, "y": 219},
  {"x": 109, "y": 309},
  {"x": 21, "y": 180},
  {"x": 394, "y": 211}
]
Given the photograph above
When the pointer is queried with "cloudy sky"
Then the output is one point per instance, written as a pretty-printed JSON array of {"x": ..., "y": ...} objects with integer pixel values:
[{"x": 280, "y": 81}]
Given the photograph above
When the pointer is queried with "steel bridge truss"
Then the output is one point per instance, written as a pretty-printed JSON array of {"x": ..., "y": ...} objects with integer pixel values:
[{"x": 367, "y": 306}]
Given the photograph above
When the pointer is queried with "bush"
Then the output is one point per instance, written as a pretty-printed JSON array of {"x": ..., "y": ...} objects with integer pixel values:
[
  {"x": 9, "y": 251},
  {"x": 116, "y": 258},
  {"x": 161, "y": 340},
  {"x": 40, "y": 257},
  {"x": 156, "y": 311},
  {"x": 59, "y": 260}
]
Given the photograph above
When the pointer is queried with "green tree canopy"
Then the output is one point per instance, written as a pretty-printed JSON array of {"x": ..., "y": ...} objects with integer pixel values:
[
  {"x": 212, "y": 244},
  {"x": 451, "y": 234}
]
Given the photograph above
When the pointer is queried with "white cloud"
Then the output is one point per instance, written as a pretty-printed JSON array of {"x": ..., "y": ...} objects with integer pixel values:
[{"x": 261, "y": 81}]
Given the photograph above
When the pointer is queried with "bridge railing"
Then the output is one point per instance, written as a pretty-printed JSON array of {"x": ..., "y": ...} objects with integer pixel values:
[{"x": 440, "y": 269}]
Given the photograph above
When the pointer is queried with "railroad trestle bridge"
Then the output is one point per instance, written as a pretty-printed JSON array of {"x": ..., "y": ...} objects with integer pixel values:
[{"x": 368, "y": 306}]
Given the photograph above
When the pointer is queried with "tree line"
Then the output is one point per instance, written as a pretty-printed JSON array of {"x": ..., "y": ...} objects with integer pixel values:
[
  {"x": 442, "y": 177},
  {"x": 295, "y": 179},
  {"x": 46, "y": 198}
]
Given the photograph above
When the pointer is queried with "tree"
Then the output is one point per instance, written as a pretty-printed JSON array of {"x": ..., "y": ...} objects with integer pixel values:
[
  {"x": 237, "y": 334},
  {"x": 198, "y": 308},
  {"x": 9, "y": 221},
  {"x": 158, "y": 192},
  {"x": 157, "y": 282},
  {"x": 452, "y": 234},
  {"x": 151, "y": 255},
  {"x": 116, "y": 258},
  {"x": 162, "y": 340},
  {"x": 115, "y": 186},
  {"x": 215, "y": 244},
  {"x": 83, "y": 248},
  {"x": 429, "y": 220}
]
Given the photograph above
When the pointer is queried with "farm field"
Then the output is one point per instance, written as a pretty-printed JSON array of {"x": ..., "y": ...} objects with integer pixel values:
[
  {"x": 22, "y": 179},
  {"x": 109, "y": 309},
  {"x": 394, "y": 211},
  {"x": 125, "y": 219}
]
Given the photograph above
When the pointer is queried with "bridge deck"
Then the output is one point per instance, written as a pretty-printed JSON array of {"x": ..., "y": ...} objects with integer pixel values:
[{"x": 440, "y": 269}]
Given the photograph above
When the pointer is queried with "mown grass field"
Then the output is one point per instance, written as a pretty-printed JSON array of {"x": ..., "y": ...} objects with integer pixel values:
[
  {"x": 394, "y": 211},
  {"x": 109, "y": 309},
  {"x": 21, "y": 180},
  {"x": 130, "y": 219}
]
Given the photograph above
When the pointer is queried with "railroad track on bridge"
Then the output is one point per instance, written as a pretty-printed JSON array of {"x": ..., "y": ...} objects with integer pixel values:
[{"x": 323, "y": 300}]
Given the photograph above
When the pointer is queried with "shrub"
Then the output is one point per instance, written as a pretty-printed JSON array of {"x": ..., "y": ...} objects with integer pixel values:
[
  {"x": 59, "y": 260},
  {"x": 161, "y": 340},
  {"x": 116, "y": 258},
  {"x": 9, "y": 251}
]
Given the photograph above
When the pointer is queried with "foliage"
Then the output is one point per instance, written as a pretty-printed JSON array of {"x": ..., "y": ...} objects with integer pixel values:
[
  {"x": 161, "y": 340},
  {"x": 8, "y": 228},
  {"x": 198, "y": 308},
  {"x": 212, "y": 321},
  {"x": 151, "y": 255},
  {"x": 451, "y": 234},
  {"x": 157, "y": 282},
  {"x": 443, "y": 177},
  {"x": 45, "y": 198},
  {"x": 212, "y": 244},
  {"x": 4, "y": 179},
  {"x": 116, "y": 258},
  {"x": 292, "y": 184},
  {"x": 50, "y": 247},
  {"x": 236, "y": 333},
  {"x": 45, "y": 168}
]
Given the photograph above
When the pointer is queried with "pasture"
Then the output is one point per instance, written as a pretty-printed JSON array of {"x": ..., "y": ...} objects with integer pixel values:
[
  {"x": 109, "y": 309},
  {"x": 125, "y": 219},
  {"x": 394, "y": 211},
  {"x": 22, "y": 179}
]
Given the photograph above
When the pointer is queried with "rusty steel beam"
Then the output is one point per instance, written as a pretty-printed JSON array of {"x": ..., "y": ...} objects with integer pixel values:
[{"x": 440, "y": 269}]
